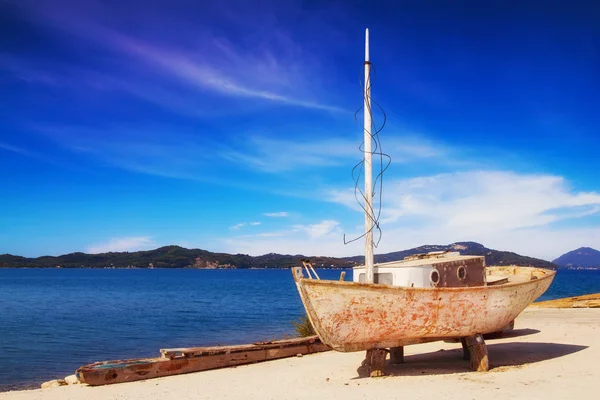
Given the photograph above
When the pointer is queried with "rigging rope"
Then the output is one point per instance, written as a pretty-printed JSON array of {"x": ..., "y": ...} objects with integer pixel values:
[{"x": 376, "y": 151}]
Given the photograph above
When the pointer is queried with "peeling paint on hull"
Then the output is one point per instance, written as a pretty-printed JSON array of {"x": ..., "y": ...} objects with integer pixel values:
[{"x": 351, "y": 316}]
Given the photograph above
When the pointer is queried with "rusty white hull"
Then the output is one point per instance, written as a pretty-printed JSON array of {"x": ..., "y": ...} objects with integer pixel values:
[{"x": 350, "y": 316}]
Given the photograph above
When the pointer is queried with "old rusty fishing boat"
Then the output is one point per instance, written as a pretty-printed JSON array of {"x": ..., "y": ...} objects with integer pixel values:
[
  {"x": 397, "y": 311},
  {"x": 425, "y": 297}
]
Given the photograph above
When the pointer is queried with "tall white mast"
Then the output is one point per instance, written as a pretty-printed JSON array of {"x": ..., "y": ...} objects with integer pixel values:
[{"x": 368, "y": 124}]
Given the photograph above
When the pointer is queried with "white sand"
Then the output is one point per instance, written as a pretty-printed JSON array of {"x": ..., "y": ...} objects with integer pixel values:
[{"x": 552, "y": 354}]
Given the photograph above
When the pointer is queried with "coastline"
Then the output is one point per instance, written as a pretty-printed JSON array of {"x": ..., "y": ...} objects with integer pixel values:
[
  {"x": 551, "y": 353},
  {"x": 583, "y": 301}
]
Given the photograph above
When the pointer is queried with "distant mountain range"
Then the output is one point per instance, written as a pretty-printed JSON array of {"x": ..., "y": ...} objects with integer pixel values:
[
  {"x": 179, "y": 257},
  {"x": 584, "y": 257},
  {"x": 492, "y": 257}
]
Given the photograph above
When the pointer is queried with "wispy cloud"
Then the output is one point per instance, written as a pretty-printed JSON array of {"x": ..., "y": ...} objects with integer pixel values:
[
  {"x": 532, "y": 214},
  {"x": 132, "y": 243},
  {"x": 25, "y": 70},
  {"x": 179, "y": 152},
  {"x": 276, "y": 214},
  {"x": 277, "y": 155},
  {"x": 31, "y": 154},
  {"x": 89, "y": 82},
  {"x": 490, "y": 206},
  {"x": 318, "y": 238},
  {"x": 15, "y": 149},
  {"x": 321, "y": 229},
  {"x": 478, "y": 199},
  {"x": 160, "y": 151},
  {"x": 237, "y": 227},
  {"x": 273, "y": 72},
  {"x": 210, "y": 77}
]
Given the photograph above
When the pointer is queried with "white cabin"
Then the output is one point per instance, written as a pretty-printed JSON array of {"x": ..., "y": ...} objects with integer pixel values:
[{"x": 428, "y": 270}]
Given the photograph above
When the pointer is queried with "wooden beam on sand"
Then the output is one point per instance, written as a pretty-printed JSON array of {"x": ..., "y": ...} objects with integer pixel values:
[{"x": 195, "y": 359}]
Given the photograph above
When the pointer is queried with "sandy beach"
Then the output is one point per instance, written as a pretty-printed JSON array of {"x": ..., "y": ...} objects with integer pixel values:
[{"x": 551, "y": 354}]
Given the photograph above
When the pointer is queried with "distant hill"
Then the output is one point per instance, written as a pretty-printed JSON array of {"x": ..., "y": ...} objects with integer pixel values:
[
  {"x": 169, "y": 257},
  {"x": 585, "y": 257},
  {"x": 179, "y": 257},
  {"x": 492, "y": 257}
]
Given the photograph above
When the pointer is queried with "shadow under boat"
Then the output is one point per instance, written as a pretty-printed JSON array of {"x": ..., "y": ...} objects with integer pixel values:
[
  {"x": 510, "y": 334},
  {"x": 502, "y": 356}
]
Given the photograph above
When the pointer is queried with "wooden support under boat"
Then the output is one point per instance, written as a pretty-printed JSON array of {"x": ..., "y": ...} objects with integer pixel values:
[
  {"x": 374, "y": 363},
  {"x": 478, "y": 353},
  {"x": 397, "y": 355},
  {"x": 195, "y": 359},
  {"x": 474, "y": 350},
  {"x": 466, "y": 353}
]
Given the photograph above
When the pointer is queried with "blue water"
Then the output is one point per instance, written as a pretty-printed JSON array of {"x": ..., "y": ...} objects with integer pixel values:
[{"x": 54, "y": 320}]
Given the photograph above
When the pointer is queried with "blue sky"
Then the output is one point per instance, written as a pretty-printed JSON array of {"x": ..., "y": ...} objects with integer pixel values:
[{"x": 229, "y": 126}]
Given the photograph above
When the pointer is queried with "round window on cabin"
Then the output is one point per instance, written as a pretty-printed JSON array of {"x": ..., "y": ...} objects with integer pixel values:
[
  {"x": 434, "y": 277},
  {"x": 461, "y": 273}
]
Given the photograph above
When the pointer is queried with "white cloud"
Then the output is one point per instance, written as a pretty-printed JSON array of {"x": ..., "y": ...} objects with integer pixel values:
[
  {"x": 272, "y": 72},
  {"x": 276, "y": 214},
  {"x": 544, "y": 242},
  {"x": 480, "y": 200},
  {"x": 134, "y": 243},
  {"x": 287, "y": 243},
  {"x": 276, "y": 155},
  {"x": 497, "y": 208},
  {"x": 323, "y": 238},
  {"x": 321, "y": 229},
  {"x": 211, "y": 76},
  {"x": 270, "y": 234},
  {"x": 238, "y": 226},
  {"x": 270, "y": 155},
  {"x": 531, "y": 214}
]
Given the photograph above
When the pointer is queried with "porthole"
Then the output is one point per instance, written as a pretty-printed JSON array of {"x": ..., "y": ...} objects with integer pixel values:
[
  {"x": 461, "y": 273},
  {"x": 434, "y": 277}
]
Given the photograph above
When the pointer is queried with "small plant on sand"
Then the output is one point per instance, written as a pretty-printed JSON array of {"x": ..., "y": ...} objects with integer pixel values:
[{"x": 304, "y": 327}]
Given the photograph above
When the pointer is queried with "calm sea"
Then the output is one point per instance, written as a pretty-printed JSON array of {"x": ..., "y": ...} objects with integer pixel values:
[{"x": 55, "y": 320}]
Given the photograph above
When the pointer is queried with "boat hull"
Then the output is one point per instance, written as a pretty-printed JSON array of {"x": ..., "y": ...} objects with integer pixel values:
[{"x": 351, "y": 316}]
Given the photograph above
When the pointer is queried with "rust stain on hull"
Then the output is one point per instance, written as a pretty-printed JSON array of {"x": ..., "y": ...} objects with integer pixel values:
[{"x": 351, "y": 316}]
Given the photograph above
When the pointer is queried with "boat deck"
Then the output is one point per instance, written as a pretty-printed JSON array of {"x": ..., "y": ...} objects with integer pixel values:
[{"x": 499, "y": 275}]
